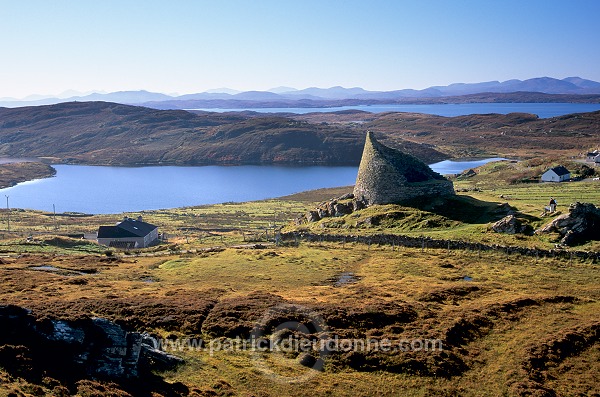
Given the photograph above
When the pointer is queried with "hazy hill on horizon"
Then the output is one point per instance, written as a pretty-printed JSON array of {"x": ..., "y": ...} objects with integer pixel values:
[{"x": 287, "y": 95}]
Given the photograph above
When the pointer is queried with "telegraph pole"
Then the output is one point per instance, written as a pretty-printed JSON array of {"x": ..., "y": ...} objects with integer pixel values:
[
  {"x": 54, "y": 212},
  {"x": 7, "y": 214}
]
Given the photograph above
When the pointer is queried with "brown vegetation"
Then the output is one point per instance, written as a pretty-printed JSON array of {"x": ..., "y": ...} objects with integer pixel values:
[
  {"x": 512, "y": 135},
  {"x": 109, "y": 133},
  {"x": 13, "y": 173}
]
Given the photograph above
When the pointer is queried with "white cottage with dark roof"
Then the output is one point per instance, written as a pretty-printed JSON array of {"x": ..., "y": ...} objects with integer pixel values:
[
  {"x": 129, "y": 233},
  {"x": 556, "y": 174}
]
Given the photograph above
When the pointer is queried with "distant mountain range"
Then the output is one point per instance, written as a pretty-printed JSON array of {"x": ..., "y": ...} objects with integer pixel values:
[{"x": 334, "y": 96}]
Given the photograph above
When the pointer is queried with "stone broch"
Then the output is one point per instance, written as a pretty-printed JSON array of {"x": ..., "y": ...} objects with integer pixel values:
[{"x": 387, "y": 176}]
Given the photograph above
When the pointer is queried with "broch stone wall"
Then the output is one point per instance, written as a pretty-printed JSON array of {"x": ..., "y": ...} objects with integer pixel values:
[{"x": 387, "y": 176}]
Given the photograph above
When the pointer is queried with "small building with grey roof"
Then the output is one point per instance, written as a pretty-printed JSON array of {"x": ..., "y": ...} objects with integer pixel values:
[{"x": 128, "y": 234}]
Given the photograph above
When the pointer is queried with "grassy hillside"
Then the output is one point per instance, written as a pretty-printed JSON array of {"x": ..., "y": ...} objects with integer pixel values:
[
  {"x": 512, "y": 135},
  {"x": 108, "y": 133}
]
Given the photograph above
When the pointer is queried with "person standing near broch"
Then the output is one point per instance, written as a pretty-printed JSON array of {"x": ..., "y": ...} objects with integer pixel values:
[{"x": 552, "y": 204}]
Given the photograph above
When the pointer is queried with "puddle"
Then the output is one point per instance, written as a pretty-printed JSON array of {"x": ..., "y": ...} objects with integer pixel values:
[
  {"x": 46, "y": 268},
  {"x": 148, "y": 280},
  {"x": 467, "y": 278},
  {"x": 344, "y": 278},
  {"x": 52, "y": 269}
]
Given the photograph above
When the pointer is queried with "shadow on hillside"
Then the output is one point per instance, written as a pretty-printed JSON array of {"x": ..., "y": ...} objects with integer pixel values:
[{"x": 467, "y": 209}]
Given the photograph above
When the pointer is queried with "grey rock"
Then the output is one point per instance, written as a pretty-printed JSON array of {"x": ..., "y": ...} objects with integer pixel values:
[
  {"x": 96, "y": 347},
  {"x": 468, "y": 173},
  {"x": 65, "y": 333},
  {"x": 340, "y": 209},
  {"x": 347, "y": 196},
  {"x": 582, "y": 223},
  {"x": 312, "y": 216},
  {"x": 509, "y": 225},
  {"x": 358, "y": 205}
]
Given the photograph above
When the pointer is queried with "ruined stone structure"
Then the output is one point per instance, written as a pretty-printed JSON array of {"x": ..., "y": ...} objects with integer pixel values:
[{"x": 387, "y": 176}]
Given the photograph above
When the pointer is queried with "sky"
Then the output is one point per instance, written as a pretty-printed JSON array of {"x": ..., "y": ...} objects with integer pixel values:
[{"x": 187, "y": 46}]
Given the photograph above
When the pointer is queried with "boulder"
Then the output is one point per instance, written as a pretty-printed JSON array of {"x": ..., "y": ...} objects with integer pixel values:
[
  {"x": 340, "y": 209},
  {"x": 467, "y": 174},
  {"x": 323, "y": 212},
  {"x": 312, "y": 216},
  {"x": 347, "y": 196},
  {"x": 86, "y": 347},
  {"x": 358, "y": 205},
  {"x": 510, "y": 225},
  {"x": 581, "y": 224}
]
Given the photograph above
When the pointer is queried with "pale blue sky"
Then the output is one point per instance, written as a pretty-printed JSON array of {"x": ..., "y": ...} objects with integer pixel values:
[{"x": 191, "y": 46}]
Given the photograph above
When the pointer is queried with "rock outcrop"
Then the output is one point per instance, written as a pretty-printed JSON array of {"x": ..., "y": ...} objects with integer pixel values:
[
  {"x": 581, "y": 224},
  {"x": 388, "y": 176},
  {"x": 336, "y": 207},
  {"x": 511, "y": 225},
  {"x": 83, "y": 348}
]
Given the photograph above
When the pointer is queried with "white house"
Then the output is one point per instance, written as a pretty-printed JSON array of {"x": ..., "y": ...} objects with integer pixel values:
[
  {"x": 592, "y": 156},
  {"x": 597, "y": 160},
  {"x": 556, "y": 174},
  {"x": 128, "y": 234}
]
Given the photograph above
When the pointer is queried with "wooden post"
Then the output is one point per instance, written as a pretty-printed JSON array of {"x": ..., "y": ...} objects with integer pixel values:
[{"x": 570, "y": 258}]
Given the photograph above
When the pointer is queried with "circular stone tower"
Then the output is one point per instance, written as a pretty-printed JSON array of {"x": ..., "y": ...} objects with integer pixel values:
[{"x": 387, "y": 176}]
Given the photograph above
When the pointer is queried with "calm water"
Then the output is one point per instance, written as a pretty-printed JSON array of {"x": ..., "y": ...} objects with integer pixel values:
[
  {"x": 543, "y": 110},
  {"x": 456, "y": 167},
  {"x": 106, "y": 190}
]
